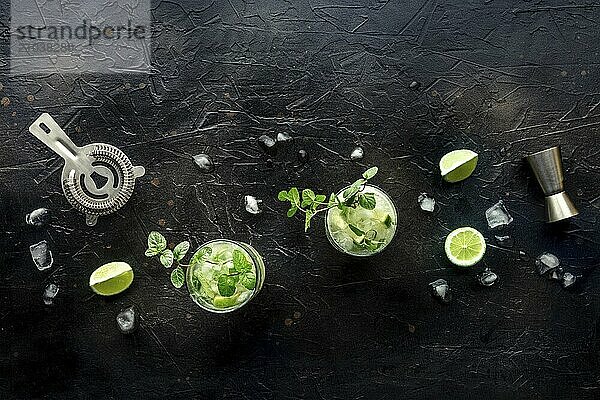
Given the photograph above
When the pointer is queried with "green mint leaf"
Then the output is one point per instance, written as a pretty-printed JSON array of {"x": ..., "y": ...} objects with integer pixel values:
[
  {"x": 388, "y": 221},
  {"x": 226, "y": 285},
  {"x": 240, "y": 262},
  {"x": 356, "y": 231},
  {"x": 367, "y": 201},
  {"x": 181, "y": 250},
  {"x": 320, "y": 198},
  {"x": 350, "y": 192},
  {"x": 308, "y": 197},
  {"x": 332, "y": 200},
  {"x": 177, "y": 277},
  {"x": 292, "y": 211},
  {"x": 294, "y": 196},
  {"x": 309, "y": 215},
  {"x": 370, "y": 173},
  {"x": 200, "y": 254},
  {"x": 248, "y": 280},
  {"x": 156, "y": 242},
  {"x": 166, "y": 258},
  {"x": 151, "y": 253},
  {"x": 283, "y": 196}
]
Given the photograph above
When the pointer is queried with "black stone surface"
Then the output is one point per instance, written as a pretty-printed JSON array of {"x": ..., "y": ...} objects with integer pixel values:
[{"x": 501, "y": 78}]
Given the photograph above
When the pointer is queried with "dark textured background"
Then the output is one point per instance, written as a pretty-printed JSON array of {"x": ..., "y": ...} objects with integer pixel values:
[{"x": 501, "y": 78}]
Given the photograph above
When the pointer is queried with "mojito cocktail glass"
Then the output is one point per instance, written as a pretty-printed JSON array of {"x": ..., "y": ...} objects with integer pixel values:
[
  {"x": 359, "y": 231},
  {"x": 216, "y": 281}
]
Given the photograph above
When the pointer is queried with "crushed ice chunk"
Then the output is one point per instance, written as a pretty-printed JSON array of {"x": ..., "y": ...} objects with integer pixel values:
[
  {"x": 487, "y": 278},
  {"x": 41, "y": 255},
  {"x": 505, "y": 241},
  {"x": 38, "y": 217},
  {"x": 357, "y": 153},
  {"x": 557, "y": 274},
  {"x": 568, "y": 279},
  {"x": 267, "y": 143},
  {"x": 49, "y": 294},
  {"x": 126, "y": 320},
  {"x": 497, "y": 215},
  {"x": 252, "y": 204},
  {"x": 427, "y": 203},
  {"x": 414, "y": 85},
  {"x": 302, "y": 156},
  {"x": 441, "y": 291},
  {"x": 204, "y": 162},
  {"x": 546, "y": 262},
  {"x": 283, "y": 137}
]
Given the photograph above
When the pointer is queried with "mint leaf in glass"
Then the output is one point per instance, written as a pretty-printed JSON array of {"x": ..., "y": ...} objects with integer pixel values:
[
  {"x": 367, "y": 201},
  {"x": 248, "y": 280},
  {"x": 200, "y": 254},
  {"x": 226, "y": 285}
]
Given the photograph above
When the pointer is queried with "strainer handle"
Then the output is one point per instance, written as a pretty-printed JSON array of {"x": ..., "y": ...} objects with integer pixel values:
[{"x": 51, "y": 134}]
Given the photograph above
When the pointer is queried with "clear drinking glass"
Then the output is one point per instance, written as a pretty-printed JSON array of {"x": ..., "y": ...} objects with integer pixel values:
[
  {"x": 203, "y": 276},
  {"x": 376, "y": 228}
]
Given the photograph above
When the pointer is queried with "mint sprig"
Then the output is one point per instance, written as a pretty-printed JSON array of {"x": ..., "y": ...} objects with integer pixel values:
[
  {"x": 312, "y": 204},
  {"x": 157, "y": 246},
  {"x": 241, "y": 272}
]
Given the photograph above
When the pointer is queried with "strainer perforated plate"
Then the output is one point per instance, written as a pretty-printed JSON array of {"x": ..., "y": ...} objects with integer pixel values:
[{"x": 97, "y": 179}]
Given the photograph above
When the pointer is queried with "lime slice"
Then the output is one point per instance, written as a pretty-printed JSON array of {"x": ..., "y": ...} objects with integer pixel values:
[
  {"x": 458, "y": 165},
  {"x": 225, "y": 302},
  {"x": 465, "y": 246},
  {"x": 111, "y": 278}
]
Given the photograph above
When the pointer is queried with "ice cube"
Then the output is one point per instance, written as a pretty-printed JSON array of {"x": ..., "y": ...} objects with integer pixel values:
[
  {"x": 497, "y": 215},
  {"x": 267, "y": 143},
  {"x": 302, "y": 156},
  {"x": 126, "y": 320},
  {"x": 487, "y": 278},
  {"x": 357, "y": 153},
  {"x": 427, "y": 203},
  {"x": 38, "y": 217},
  {"x": 414, "y": 85},
  {"x": 568, "y": 279},
  {"x": 441, "y": 291},
  {"x": 204, "y": 162},
  {"x": 252, "y": 204},
  {"x": 546, "y": 262},
  {"x": 283, "y": 137},
  {"x": 505, "y": 241},
  {"x": 557, "y": 274},
  {"x": 49, "y": 294},
  {"x": 41, "y": 255}
]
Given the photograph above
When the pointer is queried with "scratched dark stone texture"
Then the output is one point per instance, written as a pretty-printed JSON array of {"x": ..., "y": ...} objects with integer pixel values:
[{"x": 501, "y": 78}]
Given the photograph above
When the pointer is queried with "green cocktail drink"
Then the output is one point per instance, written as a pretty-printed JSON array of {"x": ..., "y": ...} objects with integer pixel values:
[
  {"x": 225, "y": 276},
  {"x": 359, "y": 231}
]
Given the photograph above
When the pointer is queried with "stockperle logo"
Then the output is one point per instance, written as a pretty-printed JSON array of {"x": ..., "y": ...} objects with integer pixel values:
[{"x": 80, "y": 36}]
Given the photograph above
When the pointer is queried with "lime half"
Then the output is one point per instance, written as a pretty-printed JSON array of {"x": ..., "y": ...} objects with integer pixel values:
[
  {"x": 465, "y": 246},
  {"x": 111, "y": 278},
  {"x": 225, "y": 302},
  {"x": 458, "y": 165}
]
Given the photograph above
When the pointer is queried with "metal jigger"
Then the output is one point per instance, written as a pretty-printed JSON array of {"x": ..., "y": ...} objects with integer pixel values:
[{"x": 548, "y": 170}]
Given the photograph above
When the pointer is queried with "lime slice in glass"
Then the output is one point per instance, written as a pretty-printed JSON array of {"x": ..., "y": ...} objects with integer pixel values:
[
  {"x": 465, "y": 246},
  {"x": 458, "y": 165},
  {"x": 225, "y": 302},
  {"x": 111, "y": 278}
]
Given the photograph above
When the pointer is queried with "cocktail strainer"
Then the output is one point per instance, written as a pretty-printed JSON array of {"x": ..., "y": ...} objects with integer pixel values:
[{"x": 97, "y": 179}]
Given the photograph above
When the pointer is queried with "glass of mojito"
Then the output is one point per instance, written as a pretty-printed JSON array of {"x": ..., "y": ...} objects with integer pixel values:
[
  {"x": 224, "y": 275},
  {"x": 360, "y": 231}
]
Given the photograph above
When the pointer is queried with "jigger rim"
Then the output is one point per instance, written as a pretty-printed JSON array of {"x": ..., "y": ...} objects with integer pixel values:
[{"x": 548, "y": 150}]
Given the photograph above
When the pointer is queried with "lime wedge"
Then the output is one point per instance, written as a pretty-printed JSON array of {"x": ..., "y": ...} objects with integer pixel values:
[
  {"x": 465, "y": 246},
  {"x": 225, "y": 302},
  {"x": 111, "y": 278},
  {"x": 458, "y": 165}
]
